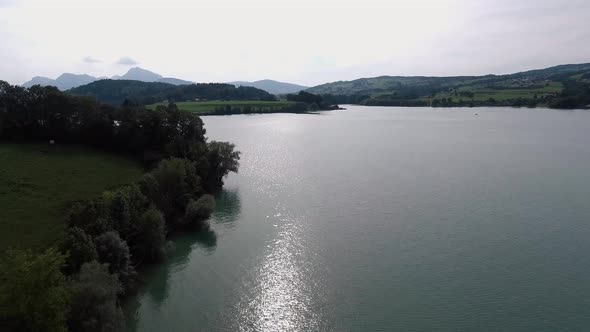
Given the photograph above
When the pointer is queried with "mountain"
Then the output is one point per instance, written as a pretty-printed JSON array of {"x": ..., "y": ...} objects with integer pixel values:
[
  {"x": 271, "y": 86},
  {"x": 116, "y": 92},
  {"x": 39, "y": 80},
  {"x": 67, "y": 81},
  {"x": 528, "y": 88},
  {"x": 140, "y": 74},
  {"x": 63, "y": 82},
  {"x": 143, "y": 75}
]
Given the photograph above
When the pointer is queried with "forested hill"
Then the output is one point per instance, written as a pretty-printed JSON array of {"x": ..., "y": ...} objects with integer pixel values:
[
  {"x": 564, "y": 86},
  {"x": 116, "y": 92}
]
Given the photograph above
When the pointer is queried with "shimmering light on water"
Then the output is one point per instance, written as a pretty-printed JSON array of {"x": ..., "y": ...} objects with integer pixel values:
[{"x": 281, "y": 291}]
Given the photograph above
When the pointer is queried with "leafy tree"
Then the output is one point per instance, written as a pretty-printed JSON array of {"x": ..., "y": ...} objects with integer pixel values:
[
  {"x": 92, "y": 216},
  {"x": 151, "y": 235},
  {"x": 33, "y": 290},
  {"x": 80, "y": 249},
  {"x": 222, "y": 159},
  {"x": 94, "y": 300},
  {"x": 126, "y": 206},
  {"x": 115, "y": 252},
  {"x": 199, "y": 210},
  {"x": 171, "y": 185}
]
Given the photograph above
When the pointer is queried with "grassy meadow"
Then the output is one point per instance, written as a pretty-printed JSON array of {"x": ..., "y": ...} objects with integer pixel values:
[
  {"x": 211, "y": 106},
  {"x": 484, "y": 94},
  {"x": 39, "y": 182}
]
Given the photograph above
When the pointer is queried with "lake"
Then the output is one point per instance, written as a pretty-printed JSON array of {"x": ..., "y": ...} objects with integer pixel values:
[{"x": 385, "y": 218}]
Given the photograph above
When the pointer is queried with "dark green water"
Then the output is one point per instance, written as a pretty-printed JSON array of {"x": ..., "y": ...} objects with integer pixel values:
[{"x": 383, "y": 219}]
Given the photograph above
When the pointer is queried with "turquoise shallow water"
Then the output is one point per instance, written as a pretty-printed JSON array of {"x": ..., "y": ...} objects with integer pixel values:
[{"x": 381, "y": 219}]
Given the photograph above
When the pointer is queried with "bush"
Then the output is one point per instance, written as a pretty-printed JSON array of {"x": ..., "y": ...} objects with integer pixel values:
[
  {"x": 94, "y": 300},
  {"x": 33, "y": 291}
]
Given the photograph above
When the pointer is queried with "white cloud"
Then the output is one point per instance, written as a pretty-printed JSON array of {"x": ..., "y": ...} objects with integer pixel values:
[
  {"x": 303, "y": 41},
  {"x": 90, "y": 59},
  {"x": 127, "y": 61}
]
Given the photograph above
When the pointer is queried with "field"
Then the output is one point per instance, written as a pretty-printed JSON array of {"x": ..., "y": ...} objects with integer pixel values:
[
  {"x": 483, "y": 94},
  {"x": 211, "y": 106},
  {"x": 38, "y": 182}
]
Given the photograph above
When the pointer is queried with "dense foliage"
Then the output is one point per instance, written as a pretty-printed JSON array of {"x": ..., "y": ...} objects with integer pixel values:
[
  {"x": 109, "y": 236},
  {"x": 34, "y": 295},
  {"x": 115, "y": 92}
]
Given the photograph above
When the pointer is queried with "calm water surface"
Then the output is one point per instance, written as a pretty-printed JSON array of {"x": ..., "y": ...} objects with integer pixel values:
[{"x": 381, "y": 219}]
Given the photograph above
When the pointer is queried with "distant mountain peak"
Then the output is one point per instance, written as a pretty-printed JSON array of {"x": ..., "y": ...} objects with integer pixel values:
[
  {"x": 272, "y": 86},
  {"x": 140, "y": 74}
]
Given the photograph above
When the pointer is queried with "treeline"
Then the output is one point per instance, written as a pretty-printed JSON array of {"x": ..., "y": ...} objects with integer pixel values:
[
  {"x": 247, "y": 109},
  {"x": 115, "y": 92},
  {"x": 422, "y": 91},
  {"x": 77, "y": 286},
  {"x": 575, "y": 94},
  {"x": 313, "y": 101}
]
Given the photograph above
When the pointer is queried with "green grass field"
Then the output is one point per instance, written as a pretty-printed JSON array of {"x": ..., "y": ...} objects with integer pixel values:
[
  {"x": 210, "y": 106},
  {"x": 482, "y": 94},
  {"x": 39, "y": 182}
]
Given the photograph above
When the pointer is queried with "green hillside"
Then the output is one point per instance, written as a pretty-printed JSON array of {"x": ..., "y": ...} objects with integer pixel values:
[
  {"x": 116, "y": 92},
  {"x": 530, "y": 88}
]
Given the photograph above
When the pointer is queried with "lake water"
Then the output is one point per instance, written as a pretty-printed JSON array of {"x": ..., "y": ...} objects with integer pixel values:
[{"x": 382, "y": 219}]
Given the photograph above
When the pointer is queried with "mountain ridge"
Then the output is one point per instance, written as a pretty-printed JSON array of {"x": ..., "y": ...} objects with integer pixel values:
[
  {"x": 68, "y": 81},
  {"x": 272, "y": 86}
]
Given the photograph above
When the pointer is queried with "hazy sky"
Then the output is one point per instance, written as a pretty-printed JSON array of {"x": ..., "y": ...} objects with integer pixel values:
[{"x": 300, "y": 41}]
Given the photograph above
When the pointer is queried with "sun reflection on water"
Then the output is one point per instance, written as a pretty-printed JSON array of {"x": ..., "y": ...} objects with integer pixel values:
[{"x": 283, "y": 286}]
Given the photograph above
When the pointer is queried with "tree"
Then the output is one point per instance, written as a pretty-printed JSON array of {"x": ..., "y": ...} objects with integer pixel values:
[
  {"x": 33, "y": 290},
  {"x": 223, "y": 159},
  {"x": 93, "y": 217},
  {"x": 115, "y": 252},
  {"x": 94, "y": 300},
  {"x": 171, "y": 185},
  {"x": 80, "y": 249},
  {"x": 199, "y": 210},
  {"x": 126, "y": 206},
  {"x": 151, "y": 235}
]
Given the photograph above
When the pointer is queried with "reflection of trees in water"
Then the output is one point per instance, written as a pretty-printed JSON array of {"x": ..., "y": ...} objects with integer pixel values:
[
  {"x": 228, "y": 207},
  {"x": 178, "y": 258},
  {"x": 157, "y": 276}
]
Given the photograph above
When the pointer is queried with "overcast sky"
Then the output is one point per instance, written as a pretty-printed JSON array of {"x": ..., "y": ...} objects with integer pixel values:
[{"x": 301, "y": 41}]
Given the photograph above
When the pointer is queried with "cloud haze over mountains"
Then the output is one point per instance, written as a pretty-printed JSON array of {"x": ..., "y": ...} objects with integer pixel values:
[{"x": 257, "y": 39}]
